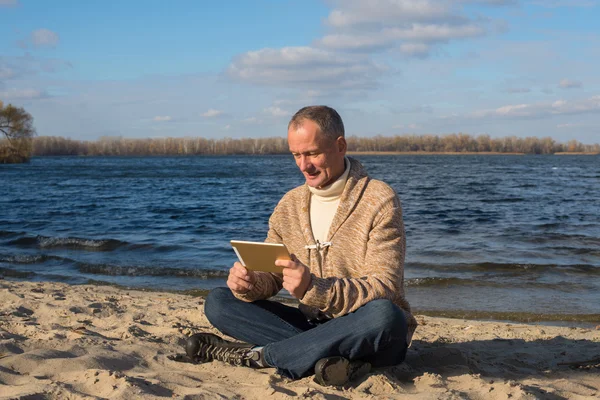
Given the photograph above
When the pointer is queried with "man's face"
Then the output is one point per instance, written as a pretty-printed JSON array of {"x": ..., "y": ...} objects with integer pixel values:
[{"x": 320, "y": 160}]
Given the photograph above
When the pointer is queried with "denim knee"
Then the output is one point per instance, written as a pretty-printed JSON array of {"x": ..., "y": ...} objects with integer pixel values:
[
  {"x": 215, "y": 304},
  {"x": 385, "y": 316}
]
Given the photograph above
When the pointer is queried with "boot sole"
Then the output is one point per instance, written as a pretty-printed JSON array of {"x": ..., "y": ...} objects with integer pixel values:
[{"x": 338, "y": 371}]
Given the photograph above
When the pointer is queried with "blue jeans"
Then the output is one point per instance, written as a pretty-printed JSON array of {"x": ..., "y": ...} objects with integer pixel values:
[{"x": 375, "y": 333}]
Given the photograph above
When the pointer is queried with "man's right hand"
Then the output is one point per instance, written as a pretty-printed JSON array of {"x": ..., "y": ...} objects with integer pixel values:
[{"x": 240, "y": 279}]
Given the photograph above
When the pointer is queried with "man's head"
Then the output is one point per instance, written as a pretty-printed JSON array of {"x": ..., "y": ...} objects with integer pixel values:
[{"x": 316, "y": 140}]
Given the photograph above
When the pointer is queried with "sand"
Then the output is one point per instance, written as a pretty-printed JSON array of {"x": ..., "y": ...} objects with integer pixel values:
[{"x": 97, "y": 342}]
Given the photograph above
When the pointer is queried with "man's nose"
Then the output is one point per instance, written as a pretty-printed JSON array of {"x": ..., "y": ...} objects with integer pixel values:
[{"x": 304, "y": 163}]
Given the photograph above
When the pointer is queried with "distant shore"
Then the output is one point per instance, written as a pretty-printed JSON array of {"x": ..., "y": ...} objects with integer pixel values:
[
  {"x": 462, "y": 144},
  {"x": 462, "y": 153},
  {"x": 429, "y": 153}
]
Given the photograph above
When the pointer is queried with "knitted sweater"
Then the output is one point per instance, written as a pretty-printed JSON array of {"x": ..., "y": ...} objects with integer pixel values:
[{"x": 365, "y": 260}]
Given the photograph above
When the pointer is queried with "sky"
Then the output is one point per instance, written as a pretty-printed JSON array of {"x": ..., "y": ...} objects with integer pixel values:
[{"x": 216, "y": 69}]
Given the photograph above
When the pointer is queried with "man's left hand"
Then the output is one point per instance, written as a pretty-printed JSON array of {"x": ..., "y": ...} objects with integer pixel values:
[{"x": 296, "y": 276}]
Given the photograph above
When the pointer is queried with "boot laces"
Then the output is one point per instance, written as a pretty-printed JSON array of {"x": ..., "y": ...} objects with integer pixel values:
[{"x": 235, "y": 356}]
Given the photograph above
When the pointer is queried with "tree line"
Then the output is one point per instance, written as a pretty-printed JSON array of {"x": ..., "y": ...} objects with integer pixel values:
[
  {"x": 19, "y": 142},
  {"x": 453, "y": 143}
]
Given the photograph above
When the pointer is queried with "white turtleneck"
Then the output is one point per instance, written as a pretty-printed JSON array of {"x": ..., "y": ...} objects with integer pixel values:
[{"x": 324, "y": 203}]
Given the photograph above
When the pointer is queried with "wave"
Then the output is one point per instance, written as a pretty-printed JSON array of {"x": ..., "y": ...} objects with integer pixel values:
[
  {"x": 509, "y": 267},
  {"x": 86, "y": 244},
  {"x": 10, "y": 233},
  {"x": 437, "y": 281},
  {"x": 13, "y": 273},
  {"x": 557, "y": 237},
  {"x": 46, "y": 242},
  {"x": 113, "y": 269},
  {"x": 505, "y": 200},
  {"x": 576, "y": 250},
  {"x": 30, "y": 258},
  {"x": 443, "y": 282},
  {"x": 123, "y": 270},
  {"x": 551, "y": 225},
  {"x": 525, "y": 186},
  {"x": 165, "y": 248}
]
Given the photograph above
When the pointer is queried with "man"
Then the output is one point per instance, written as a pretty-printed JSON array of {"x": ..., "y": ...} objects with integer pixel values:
[{"x": 346, "y": 236}]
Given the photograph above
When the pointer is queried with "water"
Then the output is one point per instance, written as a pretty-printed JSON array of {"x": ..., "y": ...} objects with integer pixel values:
[{"x": 505, "y": 237}]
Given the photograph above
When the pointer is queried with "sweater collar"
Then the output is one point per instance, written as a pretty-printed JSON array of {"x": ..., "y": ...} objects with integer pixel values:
[
  {"x": 335, "y": 189},
  {"x": 353, "y": 189}
]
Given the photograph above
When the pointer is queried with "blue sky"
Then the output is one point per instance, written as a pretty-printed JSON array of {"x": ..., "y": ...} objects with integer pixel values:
[{"x": 87, "y": 69}]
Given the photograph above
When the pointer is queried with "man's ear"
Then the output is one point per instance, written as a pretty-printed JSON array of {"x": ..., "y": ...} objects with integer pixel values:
[{"x": 341, "y": 144}]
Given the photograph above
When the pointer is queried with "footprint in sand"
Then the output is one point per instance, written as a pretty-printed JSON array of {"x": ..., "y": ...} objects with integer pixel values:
[{"x": 22, "y": 312}]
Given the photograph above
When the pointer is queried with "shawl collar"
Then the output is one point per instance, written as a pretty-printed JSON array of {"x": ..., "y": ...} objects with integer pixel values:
[{"x": 355, "y": 185}]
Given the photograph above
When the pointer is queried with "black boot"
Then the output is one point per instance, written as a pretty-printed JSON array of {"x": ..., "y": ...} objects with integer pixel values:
[
  {"x": 338, "y": 371},
  {"x": 205, "y": 347}
]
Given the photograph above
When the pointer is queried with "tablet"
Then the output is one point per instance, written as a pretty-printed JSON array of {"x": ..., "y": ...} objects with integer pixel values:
[{"x": 260, "y": 256}]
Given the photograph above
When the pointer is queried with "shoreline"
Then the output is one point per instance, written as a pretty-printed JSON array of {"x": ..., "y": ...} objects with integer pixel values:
[
  {"x": 83, "y": 341},
  {"x": 551, "y": 319}
]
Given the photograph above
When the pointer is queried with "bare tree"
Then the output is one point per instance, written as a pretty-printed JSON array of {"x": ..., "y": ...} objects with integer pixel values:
[{"x": 16, "y": 125}]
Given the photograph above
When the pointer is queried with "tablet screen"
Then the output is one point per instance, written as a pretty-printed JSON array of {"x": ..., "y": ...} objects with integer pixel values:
[{"x": 260, "y": 256}]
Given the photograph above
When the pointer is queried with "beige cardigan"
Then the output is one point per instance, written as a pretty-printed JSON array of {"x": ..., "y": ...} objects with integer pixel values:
[{"x": 365, "y": 260}]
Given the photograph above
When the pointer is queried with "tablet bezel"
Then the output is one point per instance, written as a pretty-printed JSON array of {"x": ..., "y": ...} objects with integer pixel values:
[{"x": 260, "y": 256}]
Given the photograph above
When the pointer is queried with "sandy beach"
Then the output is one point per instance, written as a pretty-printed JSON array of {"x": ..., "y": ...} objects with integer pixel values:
[{"x": 98, "y": 342}]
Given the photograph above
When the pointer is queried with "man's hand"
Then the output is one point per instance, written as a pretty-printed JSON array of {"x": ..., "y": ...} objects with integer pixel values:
[
  {"x": 240, "y": 279},
  {"x": 296, "y": 276}
]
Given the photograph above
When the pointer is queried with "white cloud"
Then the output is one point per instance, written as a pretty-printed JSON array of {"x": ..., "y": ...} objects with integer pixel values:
[
  {"x": 342, "y": 60},
  {"x": 414, "y": 109},
  {"x": 568, "y": 125},
  {"x": 251, "y": 120},
  {"x": 491, "y": 2},
  {"x": 518, "y": 109},
  {"x": 22, "y": 94},
  {"x": 27, "y": 65},
  {"x": 519, "y": 90},
  {"x": 408, "y": 126},
  {"x": 540, "y": 110},
  {"x": 211, "y": 113},
  {"x": 44, "y": 37},
  {"x": 299, "y": 66},
  {"x": 415, "y": 49},
  {"x": 389, "y": 37},
  {"x": 569, "y": 84},
  {"x": 437, "y": 32},
  {"x": 313, "y": 93},
  {"x": 162, "y": 118},
  {"x": 360, "y": 13},
  {"x": 352, "y": 13},
  {"x": 227, "y": 127},
  {"x": 277, "y": 112},
  {"x": 565, "y": 3},
  {"x": 8, "y": 3},
  {"x": 410, "y": 25},
  {"x": 6, "y": 73}
]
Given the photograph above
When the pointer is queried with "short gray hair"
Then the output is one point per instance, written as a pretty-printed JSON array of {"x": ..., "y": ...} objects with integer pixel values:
[{"x": 328, "y": 120}]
